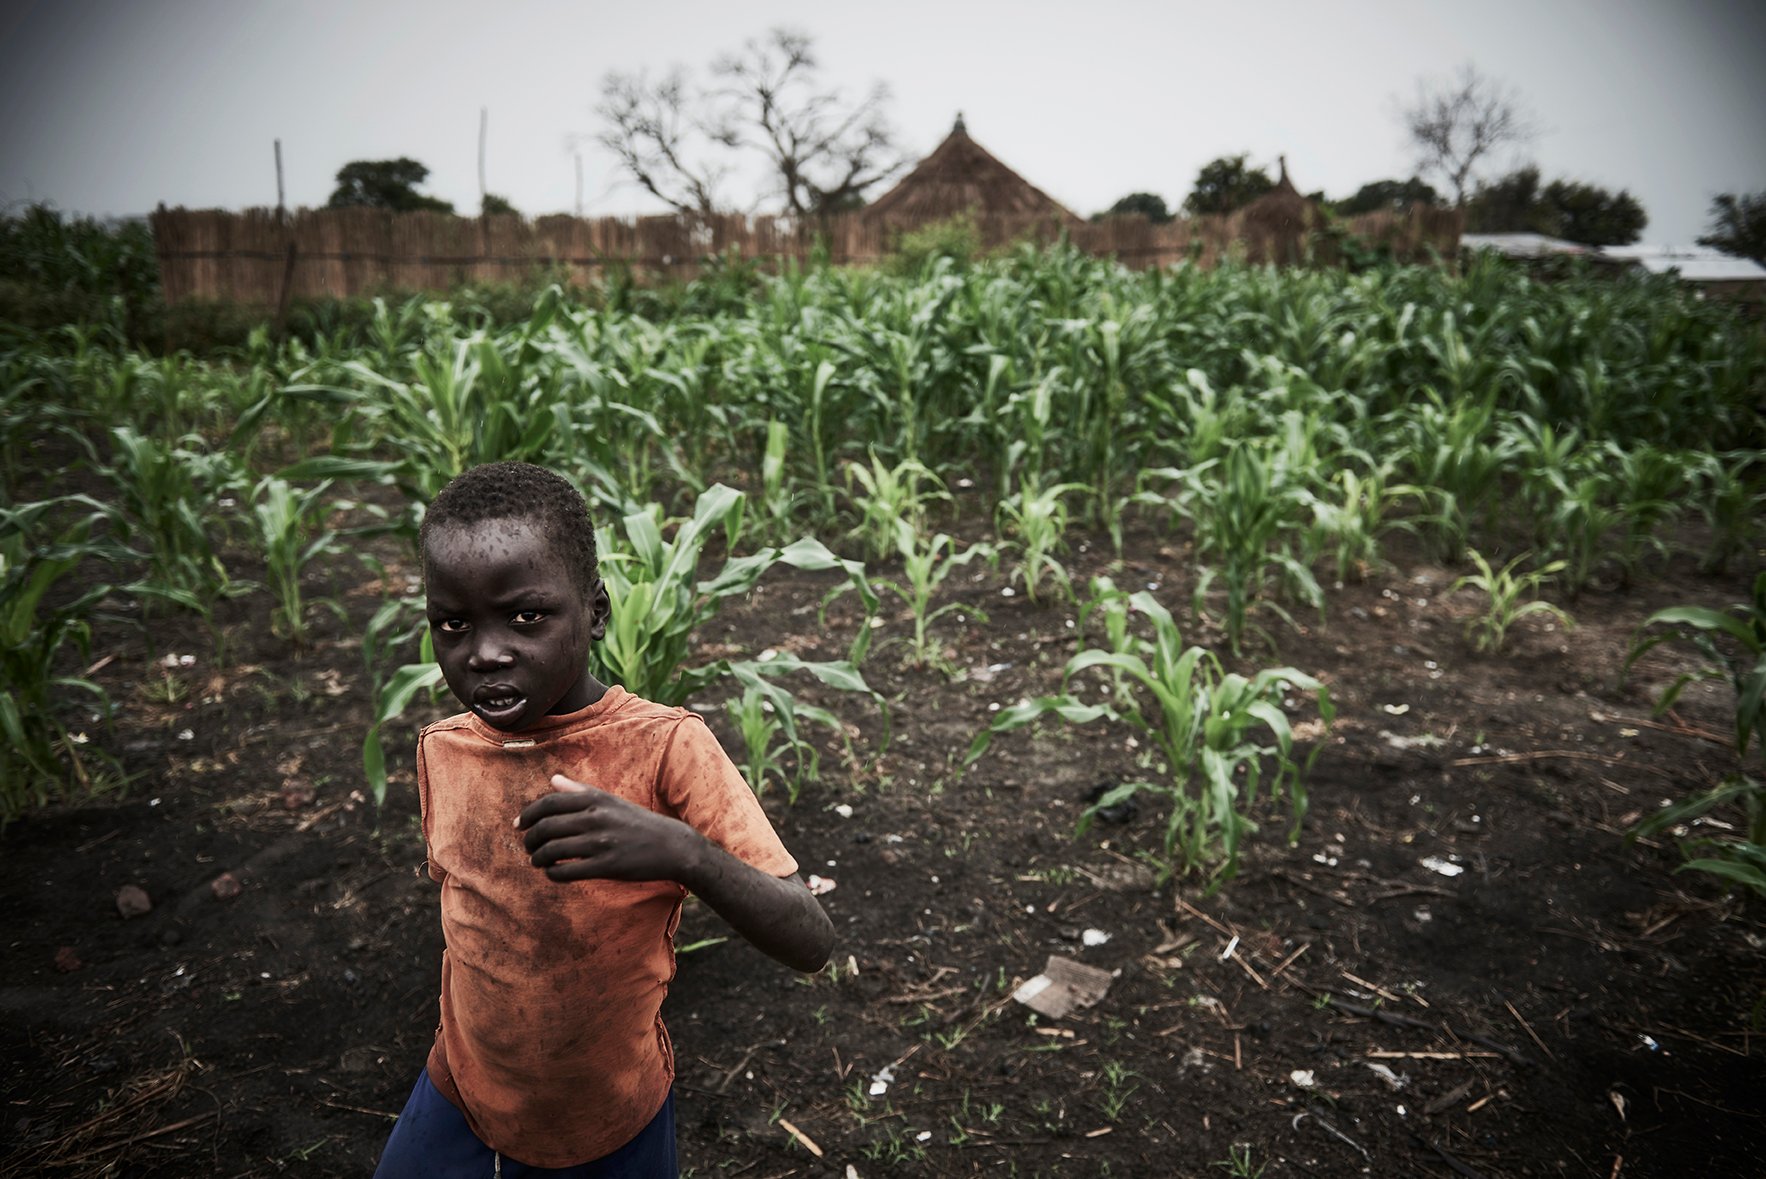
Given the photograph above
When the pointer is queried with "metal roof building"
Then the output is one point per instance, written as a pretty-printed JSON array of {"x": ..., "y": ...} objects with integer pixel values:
[
  {"x": 1521, "y": 245},
  {"x": 1699, "y": 264}
]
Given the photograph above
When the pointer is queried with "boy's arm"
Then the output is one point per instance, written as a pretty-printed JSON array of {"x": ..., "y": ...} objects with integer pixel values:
[
  {"x": 777, "y": 915},
  {"x": 580, "y": 833}
]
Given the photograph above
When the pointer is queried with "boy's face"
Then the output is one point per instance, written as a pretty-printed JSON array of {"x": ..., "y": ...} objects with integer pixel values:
[{"x": 511, "y": 626}]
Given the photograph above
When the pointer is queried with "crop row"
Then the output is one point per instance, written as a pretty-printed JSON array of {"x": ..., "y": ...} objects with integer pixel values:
[{"x": 1287, "y": 421}]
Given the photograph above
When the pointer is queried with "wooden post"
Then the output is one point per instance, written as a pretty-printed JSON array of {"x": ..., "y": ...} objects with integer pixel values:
[
  {"x": 281, "y": 325},
  {"x": 484, "y": 221}
]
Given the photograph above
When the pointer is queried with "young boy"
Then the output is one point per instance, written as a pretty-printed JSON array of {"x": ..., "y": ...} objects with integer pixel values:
[{"x": 565, "y": 821}]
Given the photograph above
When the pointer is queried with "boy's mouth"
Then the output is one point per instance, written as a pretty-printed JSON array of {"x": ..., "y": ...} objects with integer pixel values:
[{"x": 498, "y": 704}]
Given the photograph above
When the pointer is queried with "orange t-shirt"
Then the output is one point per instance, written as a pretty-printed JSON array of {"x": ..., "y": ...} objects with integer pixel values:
[{"x": 551, "y": 1039}]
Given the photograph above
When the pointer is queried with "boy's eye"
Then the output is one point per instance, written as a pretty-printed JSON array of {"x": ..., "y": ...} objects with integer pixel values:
[
  {"x": 528, "y": 617},
  {"x": 450, "y": 625}
]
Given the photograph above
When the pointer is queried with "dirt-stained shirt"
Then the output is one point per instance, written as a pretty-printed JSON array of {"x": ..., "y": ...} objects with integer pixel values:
[{"x": 551, "y": 1039}]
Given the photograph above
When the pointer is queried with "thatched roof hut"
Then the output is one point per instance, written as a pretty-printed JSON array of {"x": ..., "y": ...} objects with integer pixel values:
[
  {"x": 961, "y": 176},
  {"x": 1278, "y": 224}
]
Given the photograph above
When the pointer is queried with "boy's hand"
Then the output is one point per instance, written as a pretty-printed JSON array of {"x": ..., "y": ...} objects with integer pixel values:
[{"x": 581, "y": 833}]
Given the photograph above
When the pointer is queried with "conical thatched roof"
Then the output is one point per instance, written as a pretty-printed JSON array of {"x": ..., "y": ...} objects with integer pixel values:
[
  {"x": 1278, "y": 223},
  {"x": 962, "y": 176}
]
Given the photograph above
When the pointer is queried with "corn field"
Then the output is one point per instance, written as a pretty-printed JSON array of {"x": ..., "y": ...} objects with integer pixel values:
[
  {"x": 1041, "y": 600},
  {"x": 1287, "y": 424}
]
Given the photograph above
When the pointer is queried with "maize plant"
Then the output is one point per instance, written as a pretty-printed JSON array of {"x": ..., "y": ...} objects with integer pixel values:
[
  {"x": 41, "y": 550},
  {"x": 168, "y": 501},
  {"x": 766, "y": 717},
  {"x": 1732, "y": 504},
  {"x": 469, "y": 401},
  {"x": 1733, "y": 643},
  {"x": 1249, "y": 510},
  {"x": 290, "y": 526},
  {"x": 1034, "y": 523},
  {"x": 886, "y": 498},
  {"x": 1503, "y": 589},
  {"x": 1221, "y": 741},
  {"x": 927, "y": 560},
  {"x": 1351, "y": 514},
  {"x": 1453, "y": 455},
  {"x": 659, "y": 599}
]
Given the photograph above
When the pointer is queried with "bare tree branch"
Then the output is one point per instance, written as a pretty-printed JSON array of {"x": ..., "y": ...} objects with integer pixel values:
[
  {"x": 822, "y": 150},
  {"x": 1453, "y": 125},
  {"x": 650, "y": 130}
]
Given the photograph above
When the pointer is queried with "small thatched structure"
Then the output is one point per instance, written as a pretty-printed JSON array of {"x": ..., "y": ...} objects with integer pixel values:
[
  {"x": 1278, "y": 224},
  {"x": 961, "y": 176}
]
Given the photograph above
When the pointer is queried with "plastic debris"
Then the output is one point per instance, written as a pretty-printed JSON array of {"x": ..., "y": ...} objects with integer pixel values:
[
  {"x": 844, "y": 811},
  {"x": 1420, "y": 741},
  {"x": 821, "y": 885},
  {"x": 1063, "y": 986},
  {"x": 881, "y": 1080},
  {"x": 1387, "y": 1075},
  {"x": 1440, "y": 866},
  {"x": 1303, "y": 1077},
  {"x": 1094, "y": 937}
]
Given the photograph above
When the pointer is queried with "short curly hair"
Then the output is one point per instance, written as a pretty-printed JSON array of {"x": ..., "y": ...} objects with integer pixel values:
[{"x": 520, "y": 491}]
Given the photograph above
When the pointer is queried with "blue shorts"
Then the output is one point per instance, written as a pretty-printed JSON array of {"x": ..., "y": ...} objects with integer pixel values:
[{"x": 431, "y": 1140}]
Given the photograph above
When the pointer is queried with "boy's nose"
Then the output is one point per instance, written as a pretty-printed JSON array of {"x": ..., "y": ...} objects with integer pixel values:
[{"x": 487, "y": 656}]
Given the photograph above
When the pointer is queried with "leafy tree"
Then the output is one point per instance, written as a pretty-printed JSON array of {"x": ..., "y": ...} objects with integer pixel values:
[
  {"x": 1388, "y": 194},
  {"x": 495, "y": 205},
  {"x": 1738, "y": 225},
  {"x": 679, "y": 143},
  {"x": 1586, "y": 213},
  {"x": 1147, "y": 204},
  {"x": 384, "y": 184},
  {"x": 1510, "y": 204},
  {"x": 1226, "y": 184},
  {"x": 1593, "y": 216},
  {"x": 1454, "y": 124}
]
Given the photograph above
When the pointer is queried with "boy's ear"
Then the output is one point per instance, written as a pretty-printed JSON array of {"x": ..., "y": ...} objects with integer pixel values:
[{"x": 600, "y": 610}]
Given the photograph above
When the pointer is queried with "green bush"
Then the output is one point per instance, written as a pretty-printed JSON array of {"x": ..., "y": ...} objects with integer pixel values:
[
  {"x": 955, "y": 238},
  {"x": 56, "y": 271}
]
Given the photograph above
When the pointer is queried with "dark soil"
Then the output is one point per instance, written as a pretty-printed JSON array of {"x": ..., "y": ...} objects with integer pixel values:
[{"x": 1565, "y": 1005}]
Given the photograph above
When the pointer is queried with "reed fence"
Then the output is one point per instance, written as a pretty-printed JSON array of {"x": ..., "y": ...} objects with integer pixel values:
[{"x": 264, "y": 258}]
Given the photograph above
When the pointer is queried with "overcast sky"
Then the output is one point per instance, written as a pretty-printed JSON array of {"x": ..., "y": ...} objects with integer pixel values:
[{"x": 115, "y": 107}]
